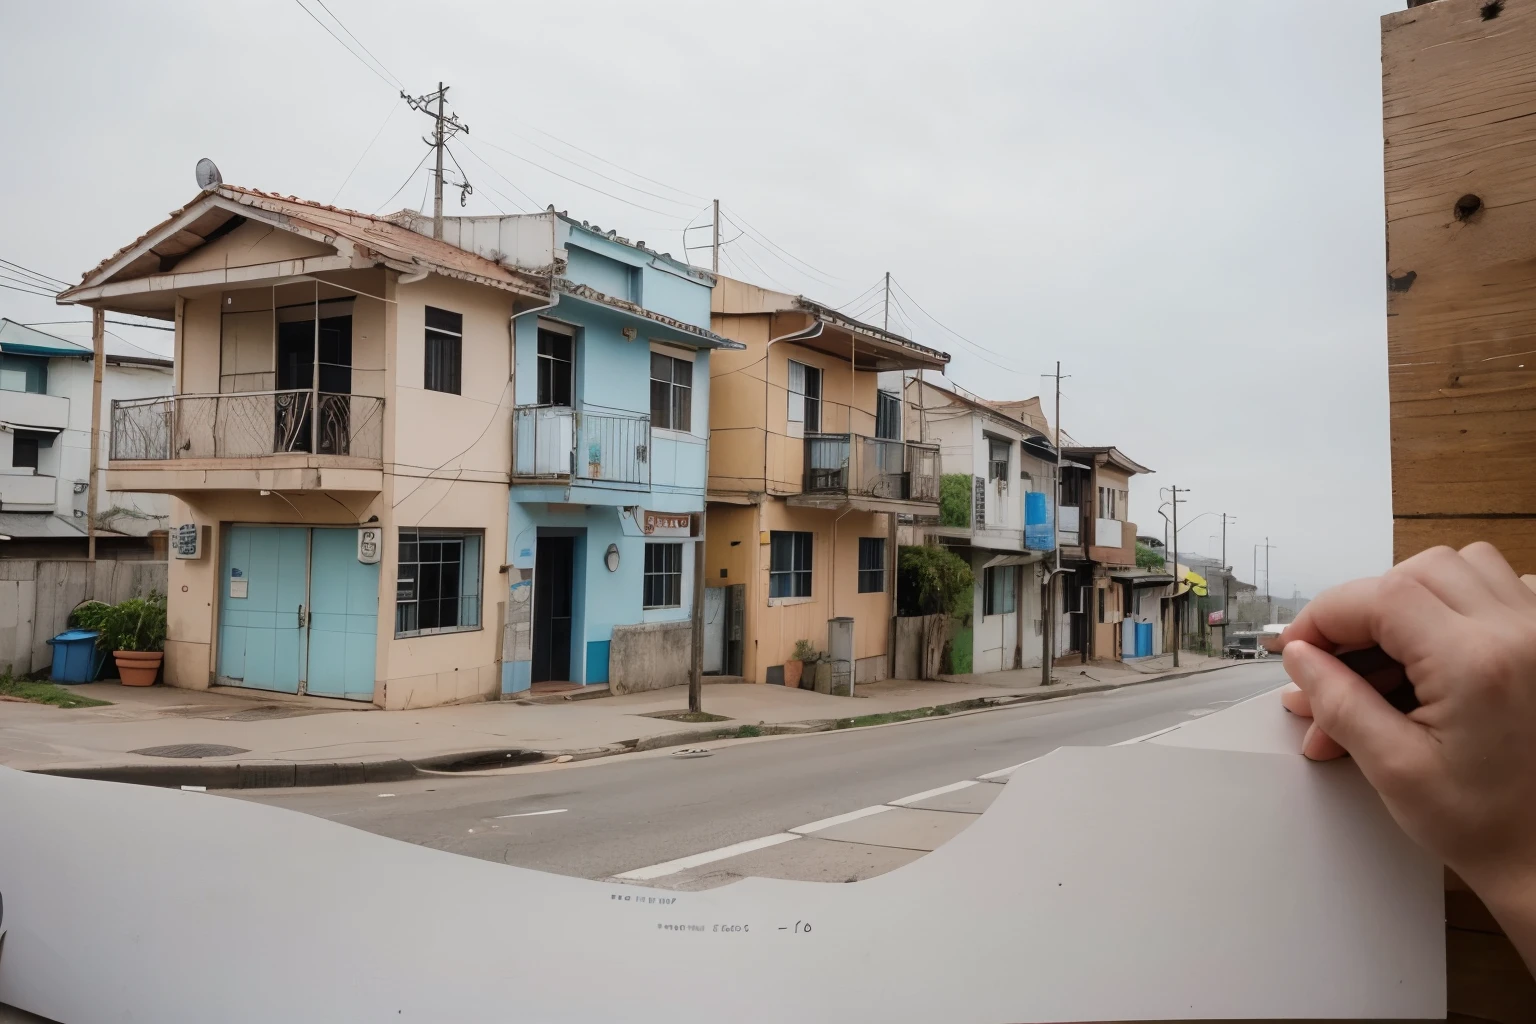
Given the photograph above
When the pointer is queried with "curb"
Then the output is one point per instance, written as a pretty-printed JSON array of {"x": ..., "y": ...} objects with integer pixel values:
[{"x": 285, "y": 774}]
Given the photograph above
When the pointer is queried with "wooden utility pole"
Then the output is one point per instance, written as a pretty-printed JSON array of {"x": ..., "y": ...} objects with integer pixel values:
[
  {"x": 887, "y": 300},
  {"x": 1047, "y": 594},
  {"x": 715, "y": 240},
  {"x": 1178, "y": 632},
  {"x": 99, "y": 360},
  {"x": 437, "y": 182}
]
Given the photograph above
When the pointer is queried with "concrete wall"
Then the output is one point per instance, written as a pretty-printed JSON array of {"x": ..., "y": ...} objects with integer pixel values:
[
  {"x": 650, "y": 656},
  {"x": 36, "y": 597}
]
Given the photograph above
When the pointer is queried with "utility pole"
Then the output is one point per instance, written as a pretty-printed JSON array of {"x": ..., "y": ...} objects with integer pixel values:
[
  {"x": 696, "y": 669},
  {"x": 99, "y": 358},
  {"x": 1048, "y": 594},
  {"x": 715, "y": 243},
  {"x": 887, "y": 300},
  {"x": 444, "y": 127},
  {"x": 1178, "y": 632}
]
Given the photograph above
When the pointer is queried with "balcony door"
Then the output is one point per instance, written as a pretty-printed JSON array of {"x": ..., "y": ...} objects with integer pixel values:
[{"x": 296, "y": 428}]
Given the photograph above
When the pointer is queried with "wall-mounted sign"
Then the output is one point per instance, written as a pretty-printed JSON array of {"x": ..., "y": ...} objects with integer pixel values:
[
  {"x": 187, "y": 541},
  {"x": 370, "y": 543},
  {"x": 666, "y": 524}
]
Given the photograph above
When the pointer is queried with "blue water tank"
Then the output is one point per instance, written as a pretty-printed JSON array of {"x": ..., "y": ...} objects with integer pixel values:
[
  {"x": 75, "y": 657},
  {"x": 1143, "y": 639}
]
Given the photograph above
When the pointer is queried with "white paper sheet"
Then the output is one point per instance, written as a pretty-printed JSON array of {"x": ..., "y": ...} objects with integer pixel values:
[{"x": 1123, "y": 883}]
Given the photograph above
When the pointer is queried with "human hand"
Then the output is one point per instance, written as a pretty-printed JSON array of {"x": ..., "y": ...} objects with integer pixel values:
[{"x": 1458, "y": 773}]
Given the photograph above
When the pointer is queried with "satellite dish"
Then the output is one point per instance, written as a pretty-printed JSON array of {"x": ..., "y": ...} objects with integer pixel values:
[{"x": 208, "y": 177}]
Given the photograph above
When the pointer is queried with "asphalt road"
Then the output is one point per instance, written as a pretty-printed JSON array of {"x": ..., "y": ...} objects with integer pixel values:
[{"x": 617, "y": 814}]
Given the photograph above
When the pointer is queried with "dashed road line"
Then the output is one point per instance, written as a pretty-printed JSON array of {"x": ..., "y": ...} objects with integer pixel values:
[
  {"x": 672, "y": 867},
  {"x": 532, "y": 814}
]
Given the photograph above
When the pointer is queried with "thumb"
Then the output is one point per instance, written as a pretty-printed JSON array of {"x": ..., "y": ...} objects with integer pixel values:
[{"x": 1349, "y": 709}]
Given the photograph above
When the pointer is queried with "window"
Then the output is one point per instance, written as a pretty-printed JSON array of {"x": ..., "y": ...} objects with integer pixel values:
[
  {"x": 871, "y": 565},
  {"x": 24, "y": 373},
  {"x": 888, "y": 416},
  {"x": 671, "y": 392},
  {"x": 664, "y": 575},
  {"x": 805, "y": 396},
  {"x": 437, "y": 589},
  {"x": 1112, "y": 502},
  {"x": 1101, "y": 591},
  {"x": 445, "y": 351},
  {"x": 997, "y": 458},
  {"x": 997, "y": 590},
  {"x": 555, "y": 365},
  {"x": 24, "y": 446},
  {"x": 789, "y": 564}
]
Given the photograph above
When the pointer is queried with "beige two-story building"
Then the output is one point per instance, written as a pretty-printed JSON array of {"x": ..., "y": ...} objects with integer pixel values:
[{"x": 808, "y": 471}]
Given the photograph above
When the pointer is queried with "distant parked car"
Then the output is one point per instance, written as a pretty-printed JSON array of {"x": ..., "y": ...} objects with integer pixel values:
[{"x": 1247, "y": 644}]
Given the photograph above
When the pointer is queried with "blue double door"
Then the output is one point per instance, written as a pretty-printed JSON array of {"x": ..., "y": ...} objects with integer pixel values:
[{"x": 298, "y": 613}]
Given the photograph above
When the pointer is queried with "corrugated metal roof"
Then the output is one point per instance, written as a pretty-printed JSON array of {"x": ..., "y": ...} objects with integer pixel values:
[{"x": 373, "y": 236}]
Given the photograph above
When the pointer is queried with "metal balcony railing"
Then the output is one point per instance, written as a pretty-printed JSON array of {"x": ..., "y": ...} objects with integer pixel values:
[
  {"x": 247, "y": 425},
  {"x": 871, "y": 467},
  {"x": 556, "y": 442}
]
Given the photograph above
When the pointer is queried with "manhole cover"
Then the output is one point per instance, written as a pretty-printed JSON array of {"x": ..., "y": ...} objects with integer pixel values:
[{"x": 190, "y": 750}]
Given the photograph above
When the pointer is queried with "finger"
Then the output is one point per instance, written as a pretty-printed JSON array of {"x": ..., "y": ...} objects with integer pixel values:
[
  {"x": 1296, "y": 702},
  {"x": 1319, "y": 746},
  {"x": 1490, "y": 565},
  {"x": 1339, "y": 617},
  {"x": 1395, "y": 612},
  {"x": 1349, "y": 711},
  {"x": 1448, "y": 576}
]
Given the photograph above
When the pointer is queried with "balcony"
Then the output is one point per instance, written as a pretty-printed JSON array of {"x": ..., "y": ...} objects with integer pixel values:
[
  {"x": 268, "y": 440},
  {"x": 870, "y": 472},
  {"x": 29, "y": 409},
  {"x": 556, "y": 443}
]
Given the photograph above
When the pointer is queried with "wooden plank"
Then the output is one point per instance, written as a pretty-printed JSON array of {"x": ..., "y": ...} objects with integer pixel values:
[
  {"x": 1458, "y": 96},
  {"x": 1516, "y": 538}
]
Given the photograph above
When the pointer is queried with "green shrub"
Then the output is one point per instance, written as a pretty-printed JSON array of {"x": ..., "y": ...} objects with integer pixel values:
[
  {"x": 955, "y": 499},
  {"x": 138, "y": 624},
  {"x": 1146, "y": 558},
  {"x": 806, "y": 651},
  {"x": 88, "y": 615},
  {"x": 932, "y": 580}
]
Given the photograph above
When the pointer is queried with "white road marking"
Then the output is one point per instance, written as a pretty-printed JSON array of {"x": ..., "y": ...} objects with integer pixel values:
[
  {"x": 862, "y": 812},
  {"x": 1147, "y": 736},
  {"x": 531, "y": 814},
  {"x": 381, "y": 795},
  {"x": 1007, "y": 771},
  {"x": 929, "y": 793},
  {"x": 672, "y": 867}
]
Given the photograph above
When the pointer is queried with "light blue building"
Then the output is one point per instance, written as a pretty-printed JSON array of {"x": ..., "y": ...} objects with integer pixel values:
[{"x": 610, "y": 440}]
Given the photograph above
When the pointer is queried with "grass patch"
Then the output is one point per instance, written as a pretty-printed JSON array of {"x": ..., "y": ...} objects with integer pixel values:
[
  {"x": 746, "y": 732},
  {"x": 692, "y": 717},
  {"x": 46, "y": 693},
  {"x": 887, "y": 717}
]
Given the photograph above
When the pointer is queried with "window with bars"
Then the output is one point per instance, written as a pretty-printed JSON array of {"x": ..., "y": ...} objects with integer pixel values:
[
  {"x": 805, "y": 396},
  {"x": 997, "y": 590},
  {"x": 671, "y": 392},
  {"x": 557, "y": 364},
  {"x": 789, "y": 564},
  {"x": 445, "y": 351},
  {"x": 871, "y": 565},
  {"x": 437, "y": 586},
  {"x": 663, "y": 575},
  {"x": 997, "y": 458}
]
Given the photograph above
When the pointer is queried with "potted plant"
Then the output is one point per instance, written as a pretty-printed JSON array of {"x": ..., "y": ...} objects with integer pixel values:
[
  {"x": 134, "y": 631},
  {"x": 794, "y": 668}
]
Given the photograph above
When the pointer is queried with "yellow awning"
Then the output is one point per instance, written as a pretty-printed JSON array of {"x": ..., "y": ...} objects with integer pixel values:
[{"x": 1191, "y": 580}]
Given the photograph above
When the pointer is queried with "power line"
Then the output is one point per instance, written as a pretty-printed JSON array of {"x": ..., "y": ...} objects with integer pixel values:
[
  {"x": 120, "y": 323},
  {"x": 600, "y": 174},
  {"x": 404, "y": 183},
  {"x": 748, "y": 257},
  {"x": 43, "y": 278},
  {"x": 765, "y": 240},
  {"x": 532, "y": 203},
  {"x": 359, "y": 42},
  {"x": 575, "y": 181},
  {"x": 28, "y": 291},
  {"x": 957, "y": 334},
  {"x": 368, "y": 149},
  {"x": 610, "y": 163},
  {"x": 859, "y": 297},
  {"x": 381, "y": 75}
]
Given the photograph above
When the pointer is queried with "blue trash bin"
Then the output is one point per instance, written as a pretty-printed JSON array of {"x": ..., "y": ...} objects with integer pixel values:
[
  {"x": 75, "y": 657},
  {"x": 1143, "y": 639}
]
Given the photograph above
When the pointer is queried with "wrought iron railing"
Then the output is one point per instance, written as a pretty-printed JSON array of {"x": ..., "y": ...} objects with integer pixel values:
[
  {"x": 247, "y": 425},
  {"x": 871, "y": 467},
  {"x": 553, "y": 442}
]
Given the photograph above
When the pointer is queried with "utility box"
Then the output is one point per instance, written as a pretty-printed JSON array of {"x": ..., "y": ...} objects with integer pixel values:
[{"x": 840, "y": 653}]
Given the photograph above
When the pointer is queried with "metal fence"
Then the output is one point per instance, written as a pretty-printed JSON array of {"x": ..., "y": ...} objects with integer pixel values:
[
  {"x": 247, "y": 425},
  {"x": 871, "y": 467},
  {"x": 556, "y": 442}
]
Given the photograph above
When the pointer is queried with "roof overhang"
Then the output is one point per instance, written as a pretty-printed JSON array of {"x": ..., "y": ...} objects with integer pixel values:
[
  {"x": 657, "y": 325},
  {"x": 997, "y": 561},
  {"x": 1141, "y": 577},
  {"x": 870, "y": 347}
]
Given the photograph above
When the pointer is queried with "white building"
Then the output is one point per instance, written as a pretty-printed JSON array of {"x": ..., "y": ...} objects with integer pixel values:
[
  {"x": 45, "y": 458},
  {"x": 998, "y": 512}
]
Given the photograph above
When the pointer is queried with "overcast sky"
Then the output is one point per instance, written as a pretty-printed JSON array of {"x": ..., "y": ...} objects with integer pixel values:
[{"x": 1179, "y": 200}]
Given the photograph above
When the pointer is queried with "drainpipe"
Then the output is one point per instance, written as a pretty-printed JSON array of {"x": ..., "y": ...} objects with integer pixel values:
[{"x": 802, "y": 334}]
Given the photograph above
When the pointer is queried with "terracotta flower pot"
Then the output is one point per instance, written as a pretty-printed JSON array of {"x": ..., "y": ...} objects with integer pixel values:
[
  {"x": 138, "y": 668},
  {"x": 793, "y": 669}
]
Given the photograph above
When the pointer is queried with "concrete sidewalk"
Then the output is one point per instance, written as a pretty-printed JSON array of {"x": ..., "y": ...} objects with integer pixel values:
[{"x": 311, "y": 741}]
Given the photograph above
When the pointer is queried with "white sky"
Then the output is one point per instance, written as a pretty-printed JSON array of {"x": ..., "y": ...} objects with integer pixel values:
[{"x": 1180, "y": 200}]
